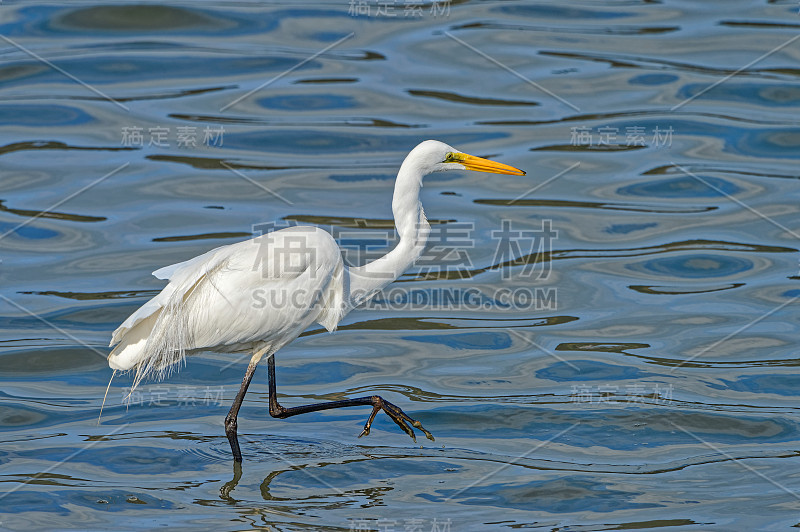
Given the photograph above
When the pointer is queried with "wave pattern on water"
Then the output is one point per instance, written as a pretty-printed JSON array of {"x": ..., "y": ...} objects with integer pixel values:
[{"x": 655, "y": 386}]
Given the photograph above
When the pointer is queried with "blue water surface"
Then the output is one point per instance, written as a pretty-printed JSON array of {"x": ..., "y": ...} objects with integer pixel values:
[{"x": 608, "y": 343}]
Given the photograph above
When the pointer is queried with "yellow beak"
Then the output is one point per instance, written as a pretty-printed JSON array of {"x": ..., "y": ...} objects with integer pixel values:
[{"x": 480, "y": 164}]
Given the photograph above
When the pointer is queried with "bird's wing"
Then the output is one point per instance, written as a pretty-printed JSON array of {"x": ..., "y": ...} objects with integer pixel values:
[
  {"x": 270, "y": 289},
  {"x": 167, "y": 272},
  {"x": 261, "y": 291},
  {"x": 177, "y": 274}
]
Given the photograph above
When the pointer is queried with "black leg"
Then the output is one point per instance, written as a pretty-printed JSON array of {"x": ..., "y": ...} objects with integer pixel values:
[
  {"x": 376, "y": 401},
  {"x": 230, "y": 419}
]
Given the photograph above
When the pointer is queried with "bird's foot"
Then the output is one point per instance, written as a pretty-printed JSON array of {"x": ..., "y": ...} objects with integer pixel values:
[{"x": 398, "y": 416}]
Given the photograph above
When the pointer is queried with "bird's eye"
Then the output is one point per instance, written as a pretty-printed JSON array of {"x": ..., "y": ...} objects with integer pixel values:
[{"x": 450, "y": 157}]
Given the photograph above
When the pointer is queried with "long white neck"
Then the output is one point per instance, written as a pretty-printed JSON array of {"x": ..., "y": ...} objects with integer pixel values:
[{"x": 413, "y": 229}]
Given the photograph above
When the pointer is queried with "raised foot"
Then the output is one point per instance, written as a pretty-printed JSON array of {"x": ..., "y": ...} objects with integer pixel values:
[{"x": 397, "y": 415}]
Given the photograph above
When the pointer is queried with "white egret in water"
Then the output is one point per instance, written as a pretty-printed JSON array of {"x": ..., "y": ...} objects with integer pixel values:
[{"x": 300, "y": 279}]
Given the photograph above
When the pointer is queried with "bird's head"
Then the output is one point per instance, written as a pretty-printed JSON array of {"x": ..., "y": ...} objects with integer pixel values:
[{"x": 434, "y": 156}]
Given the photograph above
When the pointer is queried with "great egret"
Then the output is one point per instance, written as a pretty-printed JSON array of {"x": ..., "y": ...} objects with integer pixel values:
[{"x": 210, "y": 303}]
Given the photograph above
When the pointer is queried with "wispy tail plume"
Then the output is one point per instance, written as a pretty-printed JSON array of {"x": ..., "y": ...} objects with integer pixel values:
[{"x": 106, "y": 395}]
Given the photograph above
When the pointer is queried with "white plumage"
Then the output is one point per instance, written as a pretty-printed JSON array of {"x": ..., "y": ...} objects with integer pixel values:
[{"x": 255, "y": 295}]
